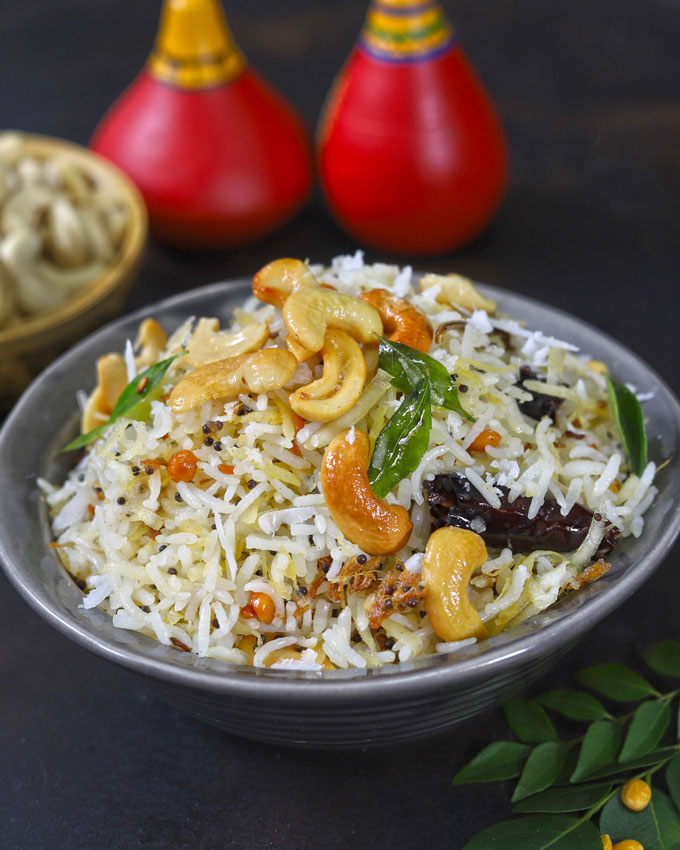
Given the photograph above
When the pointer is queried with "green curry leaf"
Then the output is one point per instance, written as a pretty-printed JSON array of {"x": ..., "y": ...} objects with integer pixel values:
[
  {"x": 404, "y": 439},
  {"x": 630, "y": 421},
  {"x": 133, "y": 402},
  {"x": 410, "y": 367},
  {"x": 402, "y": 442}
]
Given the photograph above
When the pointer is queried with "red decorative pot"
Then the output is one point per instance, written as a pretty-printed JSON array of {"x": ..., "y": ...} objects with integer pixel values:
[
  {"x": 411, "y": 151},
  {"x": 219, "y": 156}
]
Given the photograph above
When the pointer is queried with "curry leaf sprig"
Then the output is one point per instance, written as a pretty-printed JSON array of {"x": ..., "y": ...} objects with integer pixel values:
[
  {"x": 568, "y": 792},
  {"x": 403, "y": 441},
  {"x": 133, "y": 402},
  {"x": 630, "y": 421}
]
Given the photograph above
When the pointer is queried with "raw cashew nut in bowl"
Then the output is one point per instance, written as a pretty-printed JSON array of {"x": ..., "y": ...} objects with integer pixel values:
[
  {"x": 259, "y": 372},
  {"x": 458, "y": 291},
  {"x": 451, "y": 557},
  {"x": 275, "y": 281},
  {"x": 364, "y": 519},
  {"x": 402, "y": 322},
  {"x": 342, "y": 382},
  {"x": 43, "y": 285},
  {"x": 309, "y": 311}
]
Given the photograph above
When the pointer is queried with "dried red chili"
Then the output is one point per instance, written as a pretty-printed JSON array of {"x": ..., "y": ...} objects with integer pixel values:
[{"x": 454, "y": 501}]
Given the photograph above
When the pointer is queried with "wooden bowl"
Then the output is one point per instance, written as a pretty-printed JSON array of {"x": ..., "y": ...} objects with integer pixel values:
[{"x": 27, "y": 348}]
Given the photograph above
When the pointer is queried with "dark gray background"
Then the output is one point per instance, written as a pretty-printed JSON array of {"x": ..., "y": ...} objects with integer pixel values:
[{"x": 590, "y": 95}]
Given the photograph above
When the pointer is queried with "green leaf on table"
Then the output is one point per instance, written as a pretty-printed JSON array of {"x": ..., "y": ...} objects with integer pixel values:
[
  {"x": 650, "y": 760},
  {"x": 567, "y": 798},
  {"x": 409, "y": 367},
  {"x": 650, "y": 721},
  {"x": 538, "y": 832},
  {"x": 576, "y": 705},
  {"x": 616, "y": 681},
  {"x": 599, "y": 748},
  {"x": 657, "y": 827},
  {"x": 528, "y": 721},
  {"x": 133, "y": 402},
  {"x": 500, "y": 760},
  {"x": 664, "y": 657},
  {"x": 630, "y": 421},
  {"x": 541, "y": 769},
  {"x": 673, "y": 779},
  {"x": 402, "y": 442}
]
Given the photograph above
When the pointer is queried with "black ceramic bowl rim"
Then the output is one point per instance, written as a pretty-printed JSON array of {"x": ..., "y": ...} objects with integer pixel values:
[{"x": 381, "y": 685}]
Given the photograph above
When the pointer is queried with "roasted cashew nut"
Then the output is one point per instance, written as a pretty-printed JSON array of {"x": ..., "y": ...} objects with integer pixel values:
[
  {"x": 364, "y": 519},
  {"x": 259, "y": 372},
  {"x": 308, "y": 312},
  {"x": 342, "y": 382},
  {"x": 275, "y": 281},
  {"x": 451, "y": 557},
  {"x": 111, "y": 381},
  {"x": 207, "y": 344},
  {"x": 151, "y": 340},
  {"x": 401, "y": 320},
  {"x": 301, "y": 354},
  {"x": 457, "y": 291}
]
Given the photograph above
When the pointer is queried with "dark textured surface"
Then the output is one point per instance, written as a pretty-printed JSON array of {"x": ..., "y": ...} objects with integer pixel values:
[{"x": 591, "y": 98}]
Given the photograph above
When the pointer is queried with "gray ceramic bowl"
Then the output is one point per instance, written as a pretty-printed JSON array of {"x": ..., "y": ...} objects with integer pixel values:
[{"x": 341, "y": 708}]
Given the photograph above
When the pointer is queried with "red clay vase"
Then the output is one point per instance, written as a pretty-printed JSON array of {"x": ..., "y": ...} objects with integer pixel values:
[
  {"x": 220, "y": 157},
  {"x": 411, "y": 151}
]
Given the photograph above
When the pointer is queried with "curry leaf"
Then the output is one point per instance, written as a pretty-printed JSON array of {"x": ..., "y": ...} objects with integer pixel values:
[
  {"x": 406, "y": 371},
  {"x": 650, "y": 721},
  {"x": 650, "y": 760},
  {"x": 673, "y": 779},
  {"x": 569, "y": 798},
  {"x": 630, "y": 421},
  {"x": 132, "y": 402},
  {"x": 500, "y": 760},
  {"x": 529, "y": 721},
  {"x": 657, "y": 827},
  {"x": 664, "y": 657},
  {"x": 538, "y": 832},
  {"x": 616, "y": 682},
  {"x": 576, "y": 705},
  {"x": 409, "y": 367},
  {"x": 541, "y": 769},
  {"x": 402, "y": 442},
  {"x": 599, "y": 748}
]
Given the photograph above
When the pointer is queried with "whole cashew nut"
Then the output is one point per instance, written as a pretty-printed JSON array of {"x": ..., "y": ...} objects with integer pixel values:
[
  {"x": 401, "y": 320},
  {"x": 342, "y": 382},
  {"x": 258, "y": 372},
  {"x": 275, "y": 281},
  {"x": 451, "y": 556},
  {"x": 458, "y": 291},
  {"x": 308, "y": 312},
  {"x": 207, "y": 344},
  {"x": 363, "y": 518},
  {"x": 111, "y": 381}
]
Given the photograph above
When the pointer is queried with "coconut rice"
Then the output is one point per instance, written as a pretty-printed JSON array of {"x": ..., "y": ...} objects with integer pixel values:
[{"x": 180, "y": 561}]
